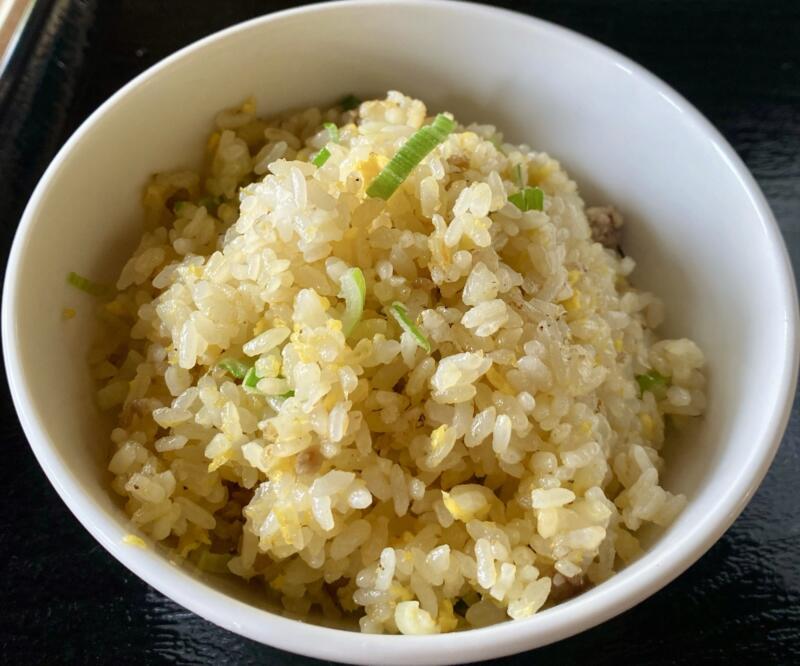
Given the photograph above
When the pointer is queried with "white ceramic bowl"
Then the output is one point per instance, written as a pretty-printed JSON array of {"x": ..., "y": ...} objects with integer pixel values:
[{"x": 699, "y": 227}]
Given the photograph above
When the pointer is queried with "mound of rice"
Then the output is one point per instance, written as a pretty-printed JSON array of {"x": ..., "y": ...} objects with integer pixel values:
[{"x": 362, "y": 476}]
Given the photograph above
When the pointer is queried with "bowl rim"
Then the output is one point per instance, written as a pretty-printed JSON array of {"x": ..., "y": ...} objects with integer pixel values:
[{"x": 621, "y": 592}]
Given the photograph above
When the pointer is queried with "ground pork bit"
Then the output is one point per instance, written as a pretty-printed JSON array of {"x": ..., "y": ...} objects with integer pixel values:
[
  {"x": 606, "y": 225},
  {"x": 460, "y": 162},
  {"x": 308, "y": 461}
]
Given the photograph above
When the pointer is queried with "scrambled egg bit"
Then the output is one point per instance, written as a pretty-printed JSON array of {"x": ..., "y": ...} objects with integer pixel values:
[{"x": 135, "y": 541}]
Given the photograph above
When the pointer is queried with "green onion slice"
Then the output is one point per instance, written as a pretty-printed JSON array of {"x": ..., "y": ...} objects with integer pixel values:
[
  {"x": 235, "y": 368},
  {"x": 399, "y": 312},
  {"x": 321, "y": 157},
  {"x": 518, "y": 175},
  {"x": 413, "y": 151},
  {"x": 529, "y": 198},
  {"x": 333, "y": 131},
  {"x": 349, "y": 102},
  {"x": 275, "y": 401},
  {"x": 209, "y": 202},
  {"x": 88, "y": 286},
  {"x": 354, "y": 290},
  {"x": 250, "y": 383},
  {"x": 654, "y": 382},
  {"x": 250, "y": 379}
]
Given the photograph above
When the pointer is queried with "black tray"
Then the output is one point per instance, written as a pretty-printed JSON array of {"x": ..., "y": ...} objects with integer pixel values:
[{"x": 65, "y": 600}]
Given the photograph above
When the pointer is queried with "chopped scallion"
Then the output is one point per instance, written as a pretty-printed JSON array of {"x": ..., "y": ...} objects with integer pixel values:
[
  {"x": 321, "y": 157},
  {"x": 654, "y": 382},
  {"x": 529, "y": 198},
  {"x": 250, "y": 384},
  {"x": 354, "y": 290},
  {"x": 275, "y": 401},
  {"x": 518, "y": 175},
  {"x": 235, "y": 368},
  {"x": 250, "y": 379},
  {"x": 349, "y": 102},
  {"x": 209, "y": 202},
  {"x": 399, "y": 312},
  {"x": 88, "y": 286},
  {"x": 333, "y": 131},
  {"x": 412, "y": 152}
]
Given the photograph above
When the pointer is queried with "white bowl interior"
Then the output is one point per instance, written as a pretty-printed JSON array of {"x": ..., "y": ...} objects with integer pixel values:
[{"x": 701, "y": 239}]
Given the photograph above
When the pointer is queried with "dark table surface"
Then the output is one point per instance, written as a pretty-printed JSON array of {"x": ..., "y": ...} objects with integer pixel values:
[{"x": 63, "y": 599}]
